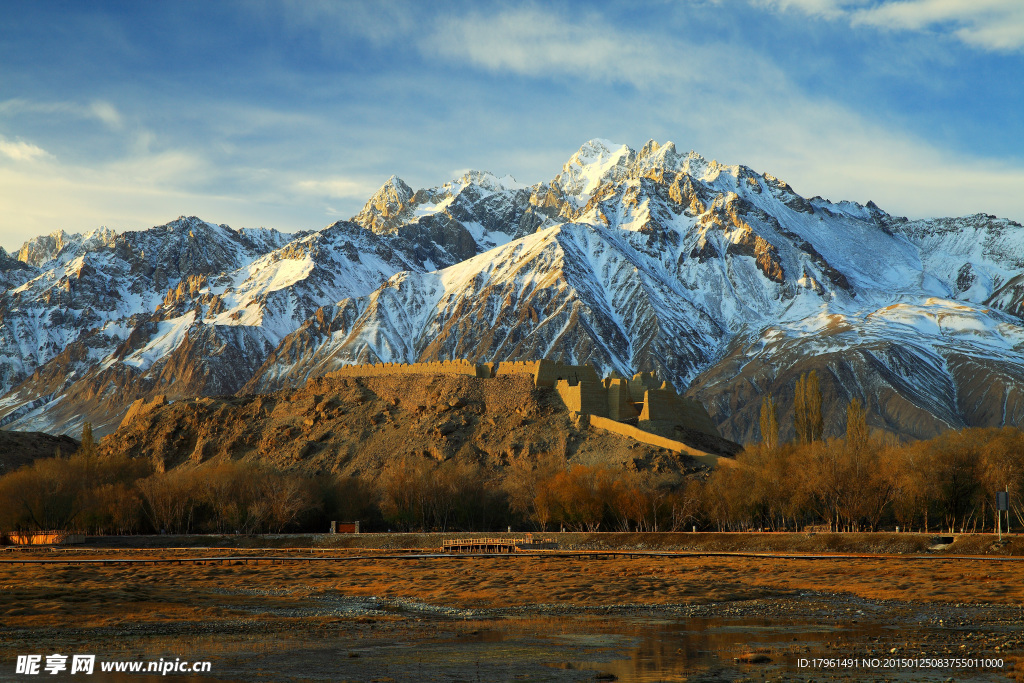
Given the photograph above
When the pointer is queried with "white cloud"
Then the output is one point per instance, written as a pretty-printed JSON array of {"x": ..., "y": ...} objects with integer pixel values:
[
  {"x": 996, "y": 25},
  {"x": 106, "y": 112},
  {"x": 988, "y": 24},
  {"x": 829, "y": 9},
  {"x": 150, "y": 188},
  {"x": 737, "y": 105},
  {"x": 18, "y": 150},
  {"x": 343, "y": 188},
  {"x": 535, "y": 42},
  {"x": 380, "y": 22},
  {"x": 98, "y": 110},
  {"x": 127, "y": 194},
  {"x": 821, "y": 148}
]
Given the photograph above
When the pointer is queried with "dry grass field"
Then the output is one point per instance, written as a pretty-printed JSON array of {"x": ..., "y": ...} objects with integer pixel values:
[
  {"x": 44, "y": 595},
  {"x": 58, "y": 602}
]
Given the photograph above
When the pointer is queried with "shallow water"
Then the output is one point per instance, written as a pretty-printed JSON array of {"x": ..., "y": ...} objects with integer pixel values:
[{"x": 627, "y": 648}]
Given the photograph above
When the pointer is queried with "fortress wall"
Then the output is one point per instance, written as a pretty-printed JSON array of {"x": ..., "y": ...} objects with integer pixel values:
[
  {"x": 544, "y": 372},
  {"x": 658, "y": 441},
  {"x": 663, "y": 405},
  {"x": 658, "y": 405},
  {"x": 516, "y": 367},
  {"x": 445, "y": 367},
  {"x": 593, "y": 398},
  {"x": 696, "y": 416},
  {"x": 140, "y": 406},
  {"x": 580, "y": 388},
  {"x": 585, "y": 373},
  {"x": 620, "y": 402},
  {"x": 570, "y": 395},
  {"x": 641, "y": 382},
  {"x": 589, "y": 398},
  {"x": 549, "y": 372}
]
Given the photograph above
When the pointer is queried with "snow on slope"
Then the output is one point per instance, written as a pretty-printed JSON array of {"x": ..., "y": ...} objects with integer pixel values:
[
  {"x": 671, "y": 262},
  {"x": 630, "y": 260}
]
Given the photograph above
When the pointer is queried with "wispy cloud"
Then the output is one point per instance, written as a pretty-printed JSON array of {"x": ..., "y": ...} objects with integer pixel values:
[
  {"x": 106, "y": 112},
  {"x": 829, "y": 9},
  {"x": 996, "y": 25},
  {"x": 379, "y": 22},
  {"x": 19, "y": 150},
  {"x": 532, "y": 41},
  {"x": 338, "y": 188},
  {"x": 747, "y": 108},
  {"x": 98, "y": 110},
  {"x": 987, "y": 24}
]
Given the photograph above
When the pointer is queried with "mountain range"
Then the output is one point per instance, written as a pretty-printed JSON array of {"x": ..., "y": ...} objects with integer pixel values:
[{"x": 721, "y": 279}]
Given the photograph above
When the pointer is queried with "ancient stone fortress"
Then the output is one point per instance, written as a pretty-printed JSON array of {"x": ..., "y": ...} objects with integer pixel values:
[{"x": 641, "y": 407}]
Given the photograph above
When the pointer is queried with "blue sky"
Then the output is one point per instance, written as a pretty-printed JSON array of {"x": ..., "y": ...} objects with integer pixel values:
[{"x": 290, "y": 114}]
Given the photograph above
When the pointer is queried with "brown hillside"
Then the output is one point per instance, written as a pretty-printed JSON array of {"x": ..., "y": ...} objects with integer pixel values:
[
  {"x": 355, "y": 425},
  {"x": 21, "y": 448}
]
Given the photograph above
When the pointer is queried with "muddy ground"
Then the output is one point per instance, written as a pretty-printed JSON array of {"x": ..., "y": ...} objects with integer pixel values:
[{"x": 374, "y": 615}]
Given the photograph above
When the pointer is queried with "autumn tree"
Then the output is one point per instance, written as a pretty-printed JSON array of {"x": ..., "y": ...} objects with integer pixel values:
[
  {"x": 524, "y": 486},
  {"x": 345, "y": 499},
  {"x": 77, "y": 493},
  {"x": 88, "y": 446},
  {"x": 580, "y": 496},
  {"x": 1003, "y": 467},
  {"x": 170, "y": 500},
  {"x": 643, "y": 501},
  {"x": 955, "y": 463},
  {"x": 43, "y": 496},
  {"x": 769, "y": 424},
  {"x": 856, "y": 426},
  {"x": 807, "y": 419}
]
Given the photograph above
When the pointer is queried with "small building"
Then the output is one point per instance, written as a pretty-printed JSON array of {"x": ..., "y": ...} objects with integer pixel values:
[{"x": 41, "y": 538}]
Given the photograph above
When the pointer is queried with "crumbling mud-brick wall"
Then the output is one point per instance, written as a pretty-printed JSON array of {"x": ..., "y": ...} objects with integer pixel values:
[
  {"x": 654, "y": 403},
  {"x": 547, "y": 372},
  {"x": 517, "y": 367},
  {"x": 642, "y": 436},
  {"x": 640, "y": 383},
  {"x": 552, "y": 371},
  {"x": 665, "y": 406},
  {"x": 590, "y": 398},
  {"x": 620, "y": 401},
  {"x": 444, "y": 367}
]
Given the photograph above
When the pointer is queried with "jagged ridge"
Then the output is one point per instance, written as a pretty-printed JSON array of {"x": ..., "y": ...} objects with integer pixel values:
[{"x": 717, "y": 277}]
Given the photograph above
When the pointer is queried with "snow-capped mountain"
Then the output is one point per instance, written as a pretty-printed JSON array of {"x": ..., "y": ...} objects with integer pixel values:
[{"x": 718, "y": 277}]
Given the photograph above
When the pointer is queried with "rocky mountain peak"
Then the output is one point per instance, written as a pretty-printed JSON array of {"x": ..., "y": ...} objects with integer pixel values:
[
  {"x": 40, "y": 250},
  {"x": 633, "y": 260},
  {"x": 597, "y": 162},
  {"x": 488, "y": 181},
  {"x": 387, "y": 208}
]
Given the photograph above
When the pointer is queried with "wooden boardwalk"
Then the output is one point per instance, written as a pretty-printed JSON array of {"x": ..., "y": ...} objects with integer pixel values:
[{"x": 497, "y": 545}]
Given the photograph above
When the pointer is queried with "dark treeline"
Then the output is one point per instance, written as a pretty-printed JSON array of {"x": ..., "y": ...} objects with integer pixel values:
[
  {"x": 861, "y": 482},
  {"x": 95, "y": 494},
  {"x": 948, "y": 483}
]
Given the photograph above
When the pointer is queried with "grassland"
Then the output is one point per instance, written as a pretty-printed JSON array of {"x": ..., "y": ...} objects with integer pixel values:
[{"x": 377, "y": 596}]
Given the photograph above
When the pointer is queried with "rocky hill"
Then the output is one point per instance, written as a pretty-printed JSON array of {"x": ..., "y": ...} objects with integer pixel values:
[
  {"x": 719, "y": 278},
  {"x": 21, "y": 448},
  {"x": 356, "y": 425}
]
